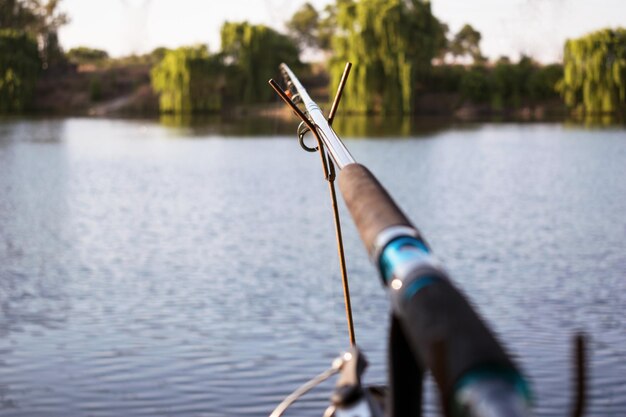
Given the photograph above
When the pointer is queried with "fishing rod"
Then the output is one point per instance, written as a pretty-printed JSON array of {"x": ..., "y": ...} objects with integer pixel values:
[
  {"x": 340, "y": 155},
  {"x": 433, "y": 326}
]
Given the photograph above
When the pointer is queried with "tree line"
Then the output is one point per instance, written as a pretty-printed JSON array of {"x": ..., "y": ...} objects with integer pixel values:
[
  {"x": 190, "y": 79},
  {"x": 399, "y": 49},
  {"x": 28, "y": 45}
]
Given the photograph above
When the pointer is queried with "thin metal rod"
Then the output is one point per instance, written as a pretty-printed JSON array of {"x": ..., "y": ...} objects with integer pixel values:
[
  {"x": 342, "y": 257},
  {"x": 333, "y": 198},
  {"x": 329, "y": 175},
  {"x": 342, "y": 84},
  {"x": 337, "y": 150},
  {"x": 328, "y": 169}
]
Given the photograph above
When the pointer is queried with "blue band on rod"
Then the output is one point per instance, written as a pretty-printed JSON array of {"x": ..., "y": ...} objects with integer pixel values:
[{"x": 400, "y": 251}]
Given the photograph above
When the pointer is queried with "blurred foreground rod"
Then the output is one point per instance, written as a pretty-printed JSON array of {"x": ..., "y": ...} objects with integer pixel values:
[{"x": 433, "y": 326}]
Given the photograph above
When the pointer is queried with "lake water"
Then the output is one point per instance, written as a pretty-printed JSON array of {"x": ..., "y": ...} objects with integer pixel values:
[{"x": 155, "y": 270}]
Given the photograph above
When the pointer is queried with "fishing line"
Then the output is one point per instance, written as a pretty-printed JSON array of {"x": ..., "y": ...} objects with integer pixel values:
[{"x": 309, "y": 385}]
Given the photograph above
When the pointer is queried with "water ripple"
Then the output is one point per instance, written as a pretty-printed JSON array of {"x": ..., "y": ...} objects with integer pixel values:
[{"x": 141, "y": 275}]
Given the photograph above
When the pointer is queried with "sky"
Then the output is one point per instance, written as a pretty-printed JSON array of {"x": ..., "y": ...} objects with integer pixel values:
[{"x": 509, "y": 27}]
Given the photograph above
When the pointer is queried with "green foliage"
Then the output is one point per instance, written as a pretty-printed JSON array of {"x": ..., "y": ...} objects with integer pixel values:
[
  {"x": 327, "y": 27},
  {"x": 84, "y": 55},
  {"x": 40, "y": 19},
  {"x": 510, "y": 82},
  {"x": 467, "y": 42},
  {"x": 391, "y": 43},
  {"x": 303, "y": 26},
  {"x": 313, "y": 29},
  {"x": 18, "y": 15},
  {"x": 595, "y": 72},
  {"x": 253, "y": 54},
  {"x": 95, "y": 89},
  {"x": 476, "y": 85},
  {"x": 189, "y": 80},
  {"x": 542, "y": 84},
  {"x": 444, "y": 79},
  {"x": 442, "y": 44},
  {"x": 157, "y": 54},
  {"x": 51, "y": 53},
  {"x": 510, "y": 85},
  {"x": 36, "y": 17},
  {"x": 19, "y": 70}
]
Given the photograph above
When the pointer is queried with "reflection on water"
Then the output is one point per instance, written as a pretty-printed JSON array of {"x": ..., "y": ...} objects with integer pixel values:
[
  {"x": 598, "y": 121},
  {"x": 355, "y": 126},
  {"x": 141, "y": 275},
  {"x": 379, "y": 126},
  {"x": 36, "y": 131},
  {"x": 196, "y": 125}
]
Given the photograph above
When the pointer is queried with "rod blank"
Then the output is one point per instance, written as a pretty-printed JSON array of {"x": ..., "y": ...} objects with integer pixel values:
[{"x": 337, "y": 150}]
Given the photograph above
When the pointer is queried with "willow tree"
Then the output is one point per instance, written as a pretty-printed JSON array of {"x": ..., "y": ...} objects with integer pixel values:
[
  {"x": 254, "y": 53},
  {"x": 41, "y": 19},
  {"x": 594, "y": 68},
  {"x": 188, "y": 80},
  {"x": 20, "y": 66},
  {"x": 391, "y": 43}
]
